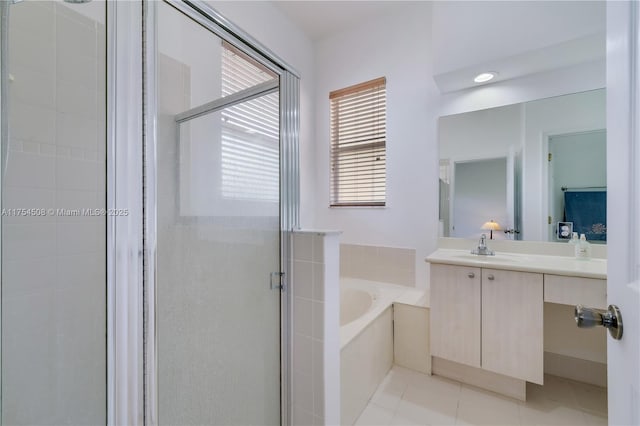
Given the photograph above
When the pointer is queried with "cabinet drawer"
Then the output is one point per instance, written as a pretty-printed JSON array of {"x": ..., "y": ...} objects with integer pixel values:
[{"x": 590, "y": 292}]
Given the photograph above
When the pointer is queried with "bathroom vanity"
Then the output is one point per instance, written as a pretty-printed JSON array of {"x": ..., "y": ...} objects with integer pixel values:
[{"x": 487, "y": 313}]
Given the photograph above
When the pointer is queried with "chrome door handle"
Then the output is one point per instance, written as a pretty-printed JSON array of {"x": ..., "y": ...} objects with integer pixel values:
[
  {"x": 471, "y": 275},
  {"x": 610, "y": 319},
  {"x": 491, "y": 277}
]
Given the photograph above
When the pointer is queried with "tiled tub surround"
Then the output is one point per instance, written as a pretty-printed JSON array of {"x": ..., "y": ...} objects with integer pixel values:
[
  {"x": 367, "y": 343},
  {"x": 380, "y": 264},
  {"x": 316, "y": 346},
  {"x": 337, "y": 368}
]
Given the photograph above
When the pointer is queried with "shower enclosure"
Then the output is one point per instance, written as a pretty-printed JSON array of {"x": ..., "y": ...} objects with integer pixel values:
[
  {"x": 148, "y": 186},
  {"x": 217, "y": 274}
]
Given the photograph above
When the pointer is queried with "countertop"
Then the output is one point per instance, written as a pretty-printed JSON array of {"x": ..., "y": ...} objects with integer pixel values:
[
  {"x": 414, "y": 297},
  {"x": 557, "y": 265}
]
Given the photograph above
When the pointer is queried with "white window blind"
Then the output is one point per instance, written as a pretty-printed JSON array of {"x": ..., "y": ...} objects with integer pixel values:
[
  {"x": 358, "y": 144},
  {"x": 250, "y": 132}
]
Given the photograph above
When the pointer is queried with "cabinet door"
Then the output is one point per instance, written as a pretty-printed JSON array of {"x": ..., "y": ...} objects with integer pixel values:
[
  {"x": 512, "y": 327},
  {"x": 455, "y": 313}
]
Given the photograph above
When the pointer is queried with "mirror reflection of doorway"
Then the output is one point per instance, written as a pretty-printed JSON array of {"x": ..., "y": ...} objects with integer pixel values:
[
  {"x": 578, "y": 183},
  {"x": 480, "y": 195}
]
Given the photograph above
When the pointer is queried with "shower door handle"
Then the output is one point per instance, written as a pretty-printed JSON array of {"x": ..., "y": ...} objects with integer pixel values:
[{"x": 276, "y": 281}]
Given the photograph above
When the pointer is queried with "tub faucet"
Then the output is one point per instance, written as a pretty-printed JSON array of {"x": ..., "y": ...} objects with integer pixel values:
[{"x": 482, "y": 249}]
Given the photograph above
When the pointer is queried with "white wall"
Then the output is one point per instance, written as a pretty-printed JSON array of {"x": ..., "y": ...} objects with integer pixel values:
[
  {"x": 489, "y": 133},
  {"x": 499, "y": 29},
  {"x": 400, "y": 51},
  {"x": 273, "y": 29},
  {"x": 578, "y": 78}
]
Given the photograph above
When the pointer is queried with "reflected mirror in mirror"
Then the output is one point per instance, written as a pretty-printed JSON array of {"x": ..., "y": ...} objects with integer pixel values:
[{"x": 533, "y": 171}]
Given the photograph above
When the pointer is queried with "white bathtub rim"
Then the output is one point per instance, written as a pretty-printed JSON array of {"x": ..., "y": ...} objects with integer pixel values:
[
  {"x": 385, "y": 295},
  {"x": 353, "y": 313}
]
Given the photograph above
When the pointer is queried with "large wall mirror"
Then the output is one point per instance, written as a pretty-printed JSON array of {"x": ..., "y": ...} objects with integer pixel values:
[{"x": 532, "y": 171}]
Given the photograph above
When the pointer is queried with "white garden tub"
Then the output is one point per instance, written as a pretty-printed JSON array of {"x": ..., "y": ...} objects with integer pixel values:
[
  {"x": 366, "y": 341},
  {"x": 361, "y": 302}
]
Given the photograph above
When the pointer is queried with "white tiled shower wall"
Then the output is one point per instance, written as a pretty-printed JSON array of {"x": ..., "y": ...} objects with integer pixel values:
[
  {"x": 377, "y": 263},
  {"x": 53, "y": 295},
  {"x": 316, "y": 337}
]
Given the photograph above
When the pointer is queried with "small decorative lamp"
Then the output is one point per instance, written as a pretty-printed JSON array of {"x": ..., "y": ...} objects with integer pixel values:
[{"x": 492, "y": 226}]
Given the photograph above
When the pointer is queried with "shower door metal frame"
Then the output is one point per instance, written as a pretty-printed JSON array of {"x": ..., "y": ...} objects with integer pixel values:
[
  {"x": 125, "y": 402},
  {"x": 209, "y": 18}
]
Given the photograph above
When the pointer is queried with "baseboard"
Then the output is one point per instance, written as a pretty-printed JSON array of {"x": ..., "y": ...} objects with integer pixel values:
[
  {"x": 577, "y": 369},
  {"x": 504, "y": 385}
]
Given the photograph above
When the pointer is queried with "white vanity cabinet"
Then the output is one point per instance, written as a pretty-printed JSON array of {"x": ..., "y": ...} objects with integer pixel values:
[
  {"x": 512, "y": 324},
  {"x": 489, "y": 319},
  {"x": 498, "y": 322}
]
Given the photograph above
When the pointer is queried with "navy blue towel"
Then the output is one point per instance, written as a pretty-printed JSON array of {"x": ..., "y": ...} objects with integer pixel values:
[{"x": 588, "y": 212}]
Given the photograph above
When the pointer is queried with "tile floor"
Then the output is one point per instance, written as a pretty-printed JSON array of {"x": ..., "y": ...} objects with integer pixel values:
[{"x": 406, "y": 397}]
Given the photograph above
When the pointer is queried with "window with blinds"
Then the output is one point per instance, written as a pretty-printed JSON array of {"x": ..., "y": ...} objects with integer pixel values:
[
  {"x": 358, "y": 144},
  {"x": 250, "y": 132}
]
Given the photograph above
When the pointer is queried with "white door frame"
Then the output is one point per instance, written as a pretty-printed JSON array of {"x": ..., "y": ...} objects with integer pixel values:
[{"x": 623, "y": 207}]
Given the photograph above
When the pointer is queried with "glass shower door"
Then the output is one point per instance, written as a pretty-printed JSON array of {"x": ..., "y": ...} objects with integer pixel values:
[
  {"x": 53, "y": 252},
  {"x": 218, "y": 230}
]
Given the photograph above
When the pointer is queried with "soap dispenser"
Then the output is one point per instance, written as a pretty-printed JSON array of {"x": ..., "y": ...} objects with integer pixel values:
[
  {"x": 574, "y": 239},
  {"x": 583, "y": 248}
]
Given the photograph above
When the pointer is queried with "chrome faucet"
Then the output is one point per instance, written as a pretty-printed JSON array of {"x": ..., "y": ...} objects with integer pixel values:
[{"x": 482, "y": 249}]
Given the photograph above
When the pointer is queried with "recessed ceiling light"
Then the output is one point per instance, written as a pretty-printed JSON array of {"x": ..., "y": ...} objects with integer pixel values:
[{"x": 485, "y": 76}]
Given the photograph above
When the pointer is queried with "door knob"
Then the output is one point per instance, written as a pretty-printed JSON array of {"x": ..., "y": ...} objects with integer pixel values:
[{"x": 610, "y": 319}]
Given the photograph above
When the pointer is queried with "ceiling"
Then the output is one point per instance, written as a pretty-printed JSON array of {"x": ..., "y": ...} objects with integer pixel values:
[
  {"x": 320, "y": 19},
  {"x": 469, "y": 36}
]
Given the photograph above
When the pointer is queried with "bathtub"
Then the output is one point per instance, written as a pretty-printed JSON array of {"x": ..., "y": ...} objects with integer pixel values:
[{"x": 366, "y": 341}]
